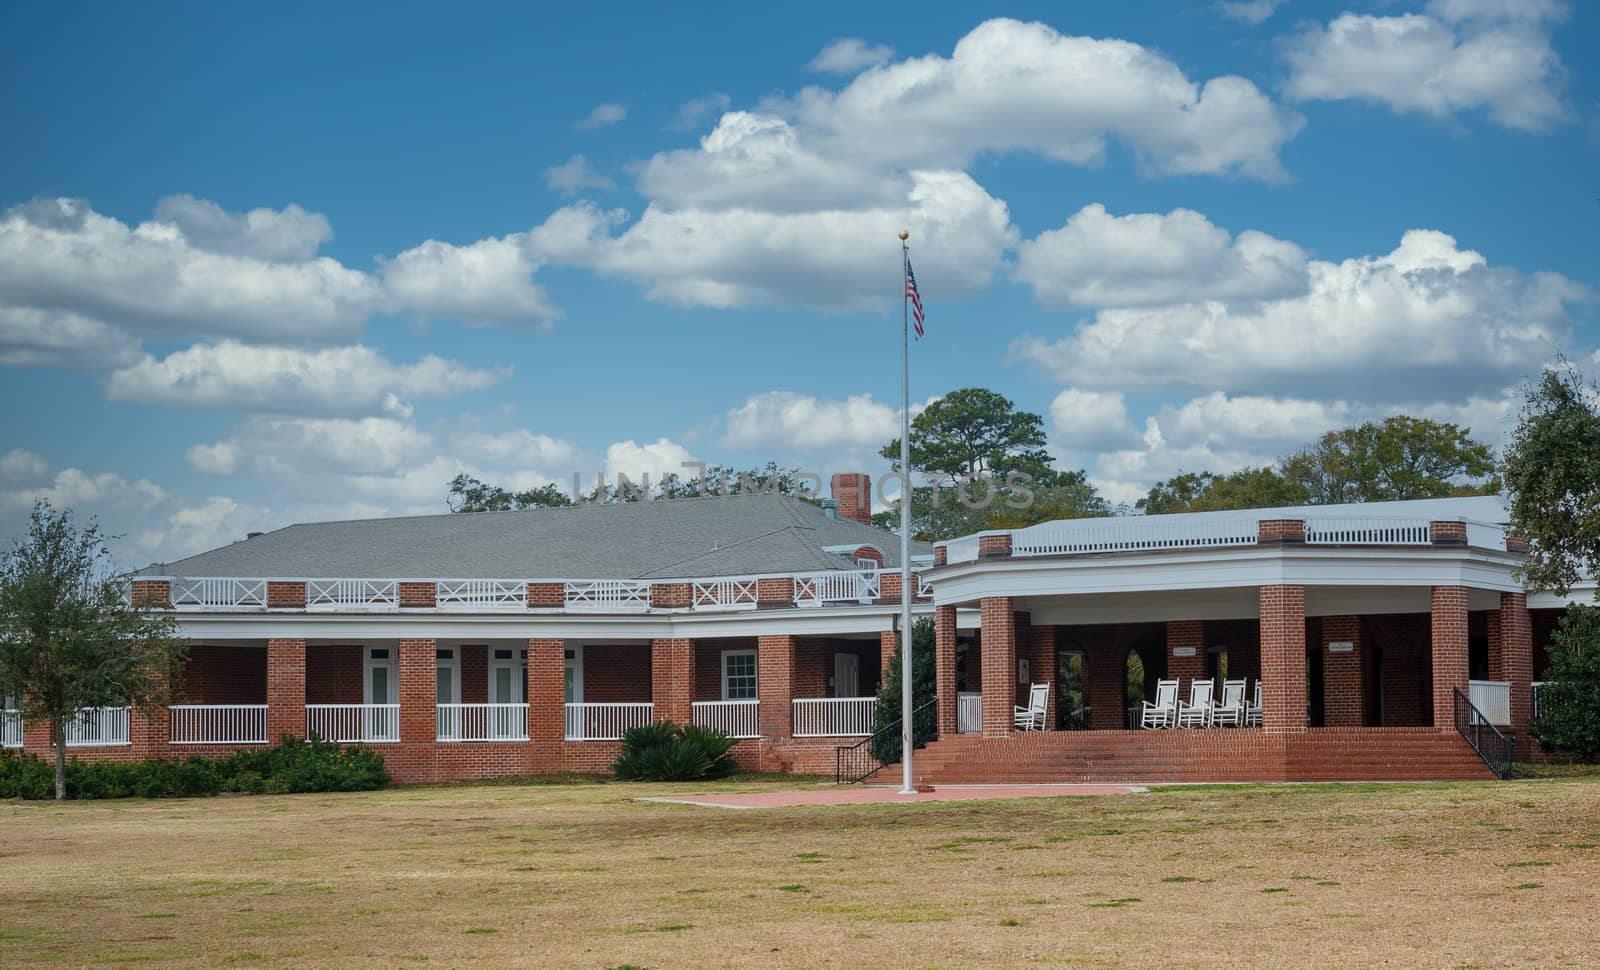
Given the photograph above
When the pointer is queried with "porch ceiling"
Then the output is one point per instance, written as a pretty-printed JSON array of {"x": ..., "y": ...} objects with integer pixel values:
[{"x": 1237, "y": 603}]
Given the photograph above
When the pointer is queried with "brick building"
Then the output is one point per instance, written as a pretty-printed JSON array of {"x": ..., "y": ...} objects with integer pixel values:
[{"x": 514, "y": 642}]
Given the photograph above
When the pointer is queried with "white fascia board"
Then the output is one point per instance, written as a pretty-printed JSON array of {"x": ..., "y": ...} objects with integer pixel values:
[
  {"x": 1224, "y": 569},
  {"x": 825, "y": 621},
  {"x": 1583, "y": 594}
]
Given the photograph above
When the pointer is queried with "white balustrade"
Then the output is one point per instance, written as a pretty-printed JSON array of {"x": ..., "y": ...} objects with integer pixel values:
[
  {"x": 833, "y": 717},
  {"x": 737, "y": 719},
  {"x": 964, "y": 549},
  {"x": 724, "y": 594},
  {"x": 1484, "y": 535},
  {"x": 1131, "y": 534},
  {"x": 924, "y": 588},
  {"x": 608, "y": 595},
  {"x": 373, "y": 723},
  {"x": 605, "y": 722},
  {"x": 352, "y": 594},
  {"x": 10, "y": 729},
  {"x": 1492, "y": 698},
  {"x": 1327, "y": 530},
  {"x": 482, "y": 722},
  {"x": 969, "y": 713},
  {"x": 218, "y": 723},
  {"x": 836, "y": 586},
  {"x": 214, "y": 594},
  {"x": 98, "y": 726},
  {"x": 481, "y": 594}
]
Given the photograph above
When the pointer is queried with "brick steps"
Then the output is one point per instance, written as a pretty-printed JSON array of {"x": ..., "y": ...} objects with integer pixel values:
[{"x": 1335, "y": 754}]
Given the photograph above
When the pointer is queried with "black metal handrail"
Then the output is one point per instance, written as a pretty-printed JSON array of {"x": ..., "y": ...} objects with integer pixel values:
[
  {"x": 1496, "y": 749},
  {"x": 856, "y": 762}
]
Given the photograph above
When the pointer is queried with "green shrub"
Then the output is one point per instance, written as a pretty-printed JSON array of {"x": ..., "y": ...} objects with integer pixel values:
[
  {"x": 663, "y": 751},
  {"x": 293, "y": 766},
  {"x": 1569, "y": 700}
]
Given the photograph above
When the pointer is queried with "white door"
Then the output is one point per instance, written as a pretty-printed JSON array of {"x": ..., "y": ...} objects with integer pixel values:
[
  {"x": 572, "y": 680},
  {"x": 449, "y": 689},
  {"x": 846, "y": 675},
  {"x": 508, "y": 684},
  {"x": 379, "y": 688}
]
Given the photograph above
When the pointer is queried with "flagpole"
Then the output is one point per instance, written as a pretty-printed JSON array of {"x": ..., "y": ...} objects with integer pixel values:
[{"x": 907, "y": 727}]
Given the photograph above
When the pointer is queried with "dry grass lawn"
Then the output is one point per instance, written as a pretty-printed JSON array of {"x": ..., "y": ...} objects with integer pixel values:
[{"x": 582, "y": 875}]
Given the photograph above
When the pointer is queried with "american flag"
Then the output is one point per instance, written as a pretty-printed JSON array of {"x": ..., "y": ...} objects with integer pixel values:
[{"x": 915, "y": 298}]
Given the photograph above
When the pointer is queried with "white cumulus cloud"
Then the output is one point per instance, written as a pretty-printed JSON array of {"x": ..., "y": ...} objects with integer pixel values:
[
  {"x": 489, "y": 282},
  {"x": 288, "y": 235},
  {"x": 849, "y": 55},
  {"x": 791, "y": 420},
  {"x": 655, "y": 458},
  {"x": 604, "y": 115},
  {"x": 574, "y": 175}
]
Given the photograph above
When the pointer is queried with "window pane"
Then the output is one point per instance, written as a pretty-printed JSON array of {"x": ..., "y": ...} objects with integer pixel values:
[
  {"x": 380, "y": 685},
  {"x": 445, "y": 676}
]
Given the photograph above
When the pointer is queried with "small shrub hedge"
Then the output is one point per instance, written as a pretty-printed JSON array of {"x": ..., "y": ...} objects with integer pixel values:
[
  {"x": 663, "y": 751},
  {"x": 295, "y": 766}
]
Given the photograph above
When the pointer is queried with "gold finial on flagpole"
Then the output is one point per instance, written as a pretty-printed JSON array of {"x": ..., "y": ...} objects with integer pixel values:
[{"x": 904, "y": 235}]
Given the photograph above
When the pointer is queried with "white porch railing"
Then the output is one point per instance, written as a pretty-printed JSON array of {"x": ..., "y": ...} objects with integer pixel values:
[
  {"x": 481, "y": 594},
  {"x": 10, "y": 729},
  {"x": 724, "y": 594},
  {"x": 219, "y": 593},
  {"x": 737, "y": 719},
  {"x": 99, "y": 726},
  {"x": 608, "y": 595},
  {"x": 482, "y": 722},
  {"x": 218, "y": 723},
  {"x": 833, "y": 717},
  {"x": 1372, "y": 531},
  {"x": 373, "y": 723},
  {"x": 1492, "y": 698},
  {"x": 969, "y": 713},
  {"x": 605, "y": 722},
  {"x": 924, "y": 588},
  {"x": 836, "y": 586},
  {"x": 352, "y": 594},
  {"x": 1131, "y": 534}
]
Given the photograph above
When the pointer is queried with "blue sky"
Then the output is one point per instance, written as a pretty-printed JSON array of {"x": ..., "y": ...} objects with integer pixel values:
[{"x": 270, "y": 265}]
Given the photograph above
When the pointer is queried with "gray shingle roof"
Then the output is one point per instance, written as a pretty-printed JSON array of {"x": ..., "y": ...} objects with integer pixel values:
[{"x": 711, "y": 536}]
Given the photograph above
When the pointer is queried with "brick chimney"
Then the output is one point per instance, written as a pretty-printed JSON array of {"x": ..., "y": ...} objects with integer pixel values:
[{"x": 853, "y": 492}]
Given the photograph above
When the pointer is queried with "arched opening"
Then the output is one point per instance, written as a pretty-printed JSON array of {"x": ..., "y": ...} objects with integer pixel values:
[{"x": 1072, "y": 688}]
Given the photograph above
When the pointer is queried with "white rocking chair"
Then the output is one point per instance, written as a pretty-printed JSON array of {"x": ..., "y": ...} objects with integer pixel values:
[
  {"x": 1252, "y": 710},
  {"x": 1231, "y": 710},
  {"x": 1163, "y": 713},
  {"x": 1197, "y": 713},
  {"x": 1031, "y": 718}
]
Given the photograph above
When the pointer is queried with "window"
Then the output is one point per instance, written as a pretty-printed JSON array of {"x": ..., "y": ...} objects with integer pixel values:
[{"x": 738, "y": 675}]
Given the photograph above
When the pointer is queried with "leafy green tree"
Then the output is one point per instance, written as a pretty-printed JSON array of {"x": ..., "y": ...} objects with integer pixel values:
[
  {"x": 70, "y": 636},
  {"x": 1402, "y": 458},
  {"x": 1552, "y": 474},
  {"x": 468, "y": 494},
  {"x": 974, "y": 431},
  {"x": 1569, "y": 699},
  {"x": 886, "y": 713},
  {"x": 1248, "y": 488}
]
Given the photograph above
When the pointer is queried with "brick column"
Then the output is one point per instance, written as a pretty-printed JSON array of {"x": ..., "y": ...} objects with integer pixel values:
[
  {"x": 1042, "y": 666},
  {"x": 1106, "y": 666},
  {"x": 1449, "y": 622},
  {"x": 1283, "y": 659},
  {"x": 417, "y": 669},
  {"x": 286, "y": 689},
  {"x": 999, "y": 650},
  {"x": 1343, "y": 701},
  {"x": 547, "y": 698},
  {"x": 149, "y": 731},
  {"x": 672, "y": 680},
  {"x": 1516, "y": 648},
  {"x": 944, "y": 667},
  {"x": 887, "y": 640},
  {"x": 1497, "y": 668},
  {"x": 775, "y": 686},
  {"x": 1190, "y": 634}
]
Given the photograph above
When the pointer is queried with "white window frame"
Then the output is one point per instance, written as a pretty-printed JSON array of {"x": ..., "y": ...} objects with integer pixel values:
[
  {"x": 755, "y": 685},
  {"x": 519, "y": 667},
  {"x": 575, "y": 664},
  {"x": 368, "y": 661},
  {"x": 453, "y": 663}
]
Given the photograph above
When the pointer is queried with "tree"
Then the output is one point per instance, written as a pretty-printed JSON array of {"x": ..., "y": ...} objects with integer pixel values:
[
  {"x": 468, "y": 494},
  {"x": 1402, "y": 458},
  {"x": 70, "y": 636},
  {"x": 1552, "y": 475},
  {"x": 886, "y": 747},
  {"x": 1569, "y": 699},
  {"x": 974, "y": 431},
  {"x": 1248, "y": 488}
]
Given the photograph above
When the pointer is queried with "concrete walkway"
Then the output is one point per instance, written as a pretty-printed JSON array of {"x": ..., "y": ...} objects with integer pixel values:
[{"x": 883, "y": 795}]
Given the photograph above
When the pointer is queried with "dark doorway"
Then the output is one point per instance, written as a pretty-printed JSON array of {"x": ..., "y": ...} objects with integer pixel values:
[
  {"x": 1072, "y": 689},
  {"x": 1314, "y": 700},
  {"x": 1375, "y": 686}
]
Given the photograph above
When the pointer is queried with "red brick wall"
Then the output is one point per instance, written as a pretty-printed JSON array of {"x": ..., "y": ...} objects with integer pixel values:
[
  {"x": 547, "y": 694},
  {"x": 419, "y": 693},
  {"x": 1343, "y": 699},
  {"x": 547, "y": 595},
  {"x": 1283, "y": 659},
  {"x": 474, "y": 673},
  {"x": 999, "y": 661},
  {"x": 1186, "y": 633},
  {"x": 675, "y": 665},
  {"x": 286, "y": 689},
  {"x": 417, "y": 595},
  {"x": 995, "y": 546},
  {"x": 1516, "y": 634},
  {"x": 1491, "y": 635},
  {"x": 1281, "y": 530},
  {"x": 668, "y": 596},
  {"x": 286, "y": 596},
  {"x": 1449, "y": 625},
  {"x": 333, "y": 674},
  {"x": 617, "y": 674},
  {"x": 1041, "y": 648},
  {"x": 1448, "y": 533},
  {"x": 853, "y": 493},
  {"x": 225, "y": 675},
  {"x": 775, "y": 659},
  {"x": 1404, "y": 644},
  {"x": 774, "y": 593},
  {"x": 944, "y": 663},
  {"x": 151, "y": 592}
]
